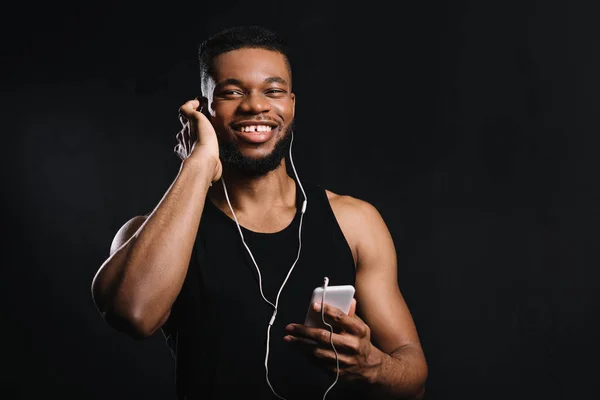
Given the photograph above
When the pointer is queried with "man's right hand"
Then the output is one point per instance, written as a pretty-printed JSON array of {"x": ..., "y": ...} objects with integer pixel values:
[{"x": 197, "y": 140}]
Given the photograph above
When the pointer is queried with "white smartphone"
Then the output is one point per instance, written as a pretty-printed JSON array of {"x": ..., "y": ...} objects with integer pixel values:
[{"x": 337, "y": 296}]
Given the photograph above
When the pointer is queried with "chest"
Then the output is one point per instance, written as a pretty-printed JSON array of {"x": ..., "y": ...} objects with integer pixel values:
[{"x": 237, "y": 276}]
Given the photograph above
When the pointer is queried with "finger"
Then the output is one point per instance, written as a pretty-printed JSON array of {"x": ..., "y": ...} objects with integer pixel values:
[
  {"x": 323, "y": 338},
  {"x": 189, "y": 108},
  {"x": 340, "y": 320},
  {"x": 352, "y": 311},
  {"x": 328, "y": 357},
  {"x": 325, "y": 354},
  {"x": 300, "y": 344}
]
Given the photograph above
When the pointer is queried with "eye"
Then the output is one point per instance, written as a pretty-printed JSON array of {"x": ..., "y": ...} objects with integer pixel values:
[
  {"x": 230, "y": 94},
  {"x": 275, "y": 92}
]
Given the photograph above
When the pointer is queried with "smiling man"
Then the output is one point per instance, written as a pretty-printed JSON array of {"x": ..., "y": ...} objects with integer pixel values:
[{"x": 226, "y": 262}]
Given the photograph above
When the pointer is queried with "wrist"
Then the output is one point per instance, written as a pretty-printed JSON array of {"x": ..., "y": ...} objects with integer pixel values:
[{"x": 203, "y": 169}]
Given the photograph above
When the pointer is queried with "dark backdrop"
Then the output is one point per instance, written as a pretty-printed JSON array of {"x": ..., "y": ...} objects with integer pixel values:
[{"x": 471, "y": 125}]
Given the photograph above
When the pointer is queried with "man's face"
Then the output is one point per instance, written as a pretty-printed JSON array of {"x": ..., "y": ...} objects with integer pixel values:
[{"x": 251, "y": 106}]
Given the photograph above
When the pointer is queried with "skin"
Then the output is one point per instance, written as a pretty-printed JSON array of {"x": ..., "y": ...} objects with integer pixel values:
[{"x": 135, "y": 287}]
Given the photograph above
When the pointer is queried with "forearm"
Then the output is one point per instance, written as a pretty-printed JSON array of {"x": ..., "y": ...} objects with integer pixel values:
[
  {"x": 400, "y": 375},
  {"x": 141, "y": 280}
]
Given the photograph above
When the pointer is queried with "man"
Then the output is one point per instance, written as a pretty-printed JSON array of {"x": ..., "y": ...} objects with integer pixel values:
[{"x": 227, "y": 261}]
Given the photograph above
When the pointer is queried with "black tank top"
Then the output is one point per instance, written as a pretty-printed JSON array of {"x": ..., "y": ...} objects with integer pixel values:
[{"x": 218, "y": 324}]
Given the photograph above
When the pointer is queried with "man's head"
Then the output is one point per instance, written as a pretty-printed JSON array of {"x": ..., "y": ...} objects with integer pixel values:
[{"x": 246, "y": 81}]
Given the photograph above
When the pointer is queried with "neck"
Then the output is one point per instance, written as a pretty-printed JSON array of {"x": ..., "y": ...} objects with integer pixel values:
[{"x": 247, "y": 194}]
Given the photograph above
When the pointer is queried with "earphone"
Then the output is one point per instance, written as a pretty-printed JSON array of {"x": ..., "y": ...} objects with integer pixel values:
[
  {"x": 337, "y": 359},
  {"x": 272, "y": 320}
]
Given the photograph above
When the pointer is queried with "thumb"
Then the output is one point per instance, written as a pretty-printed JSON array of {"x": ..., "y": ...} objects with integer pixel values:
[
  {"x": 352, "y": 310},
  {"x": 189, "y": 108}
]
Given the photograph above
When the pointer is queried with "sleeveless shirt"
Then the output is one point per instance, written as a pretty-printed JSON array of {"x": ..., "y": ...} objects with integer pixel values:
[{"x": 218, "y": 324}]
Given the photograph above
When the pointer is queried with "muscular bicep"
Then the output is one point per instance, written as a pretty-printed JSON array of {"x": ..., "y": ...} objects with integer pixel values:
[
  {"x": 379, "y": 300},
  {"x": 103, "y": 283}
]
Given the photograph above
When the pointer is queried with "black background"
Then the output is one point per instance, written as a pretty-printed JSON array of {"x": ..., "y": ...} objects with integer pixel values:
[{"x": 471, "y": 125}]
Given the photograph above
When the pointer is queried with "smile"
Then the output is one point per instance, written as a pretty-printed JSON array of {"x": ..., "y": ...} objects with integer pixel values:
[
  {"x": 255, "y": 134},
  {"x": 255, "y": 128}
]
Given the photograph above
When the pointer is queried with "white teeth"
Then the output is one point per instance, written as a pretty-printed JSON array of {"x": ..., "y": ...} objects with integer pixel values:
[{"x": 256, "y": 128}]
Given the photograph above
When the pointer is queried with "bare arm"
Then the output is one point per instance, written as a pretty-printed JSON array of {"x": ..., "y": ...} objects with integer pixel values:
[
  {"x": 136, "y": 286},
  {"x": 376, "y": 343},
  {"x": 402, "y": 370}
]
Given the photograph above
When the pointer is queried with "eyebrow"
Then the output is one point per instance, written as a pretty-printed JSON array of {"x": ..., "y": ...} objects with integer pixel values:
[
  {"x": 237, "y": 82},
  {"x": 276, "y": 79}
]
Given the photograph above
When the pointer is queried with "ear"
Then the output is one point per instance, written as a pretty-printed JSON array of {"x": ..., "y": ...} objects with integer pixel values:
[{"x": 293, "y": 97}]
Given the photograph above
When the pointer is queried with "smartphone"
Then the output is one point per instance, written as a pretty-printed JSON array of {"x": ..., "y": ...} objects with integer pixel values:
[{"x": 337, "y": 296}]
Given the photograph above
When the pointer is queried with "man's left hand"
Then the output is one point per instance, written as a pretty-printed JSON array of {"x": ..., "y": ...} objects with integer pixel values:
[{"x": 358, "y": 357}]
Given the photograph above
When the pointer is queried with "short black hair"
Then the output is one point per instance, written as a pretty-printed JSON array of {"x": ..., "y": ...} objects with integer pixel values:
[{"x": 239, "y": 37}]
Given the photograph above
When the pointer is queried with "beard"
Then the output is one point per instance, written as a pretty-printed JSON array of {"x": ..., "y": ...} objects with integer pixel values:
[{"x": 253, "y": 167}]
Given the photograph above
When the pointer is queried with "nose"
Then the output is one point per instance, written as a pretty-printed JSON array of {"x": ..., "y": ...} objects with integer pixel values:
[{"x": 255, "y": 103}]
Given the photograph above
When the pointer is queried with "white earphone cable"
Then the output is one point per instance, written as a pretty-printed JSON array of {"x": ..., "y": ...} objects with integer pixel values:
[
  {"x": 303, "y": 210},
  {"x": 337, "y": 360},
  {"x": 244, "y": 243},
  {"x": 272, "y": 321}
]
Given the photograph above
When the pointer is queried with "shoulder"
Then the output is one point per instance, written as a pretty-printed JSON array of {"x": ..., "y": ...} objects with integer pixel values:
[
  {"x": 351, "y": 209},
  {"x": 359, "y": 220}
]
